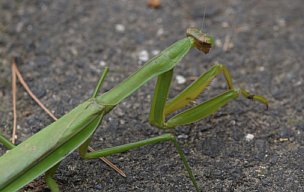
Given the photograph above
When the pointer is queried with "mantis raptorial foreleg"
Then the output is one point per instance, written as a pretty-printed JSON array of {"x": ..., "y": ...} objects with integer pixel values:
[
  {"x": 198, "y": 86},
  {"x": 160, "y": 108}
]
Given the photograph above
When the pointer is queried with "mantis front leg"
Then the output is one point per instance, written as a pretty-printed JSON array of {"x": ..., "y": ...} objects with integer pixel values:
[{"x": 161, "y": 108}]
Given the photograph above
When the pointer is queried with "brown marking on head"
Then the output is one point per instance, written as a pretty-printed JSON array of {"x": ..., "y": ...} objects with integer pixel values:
[{"x": 203, "y": 42}]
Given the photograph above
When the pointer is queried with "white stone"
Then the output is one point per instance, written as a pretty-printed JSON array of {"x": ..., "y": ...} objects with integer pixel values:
[
  {"x": 160, "y": 32},
  {"x": 155, "y": 52},
  {"x": 120, "y": 28},
  {"x": 180, "y": 79},
  {"x": 218, "y": 43},
  {"x": 102, "y": 63},
  {"x": 143, "y": 56},
  {"x": 249, "y": 137}
]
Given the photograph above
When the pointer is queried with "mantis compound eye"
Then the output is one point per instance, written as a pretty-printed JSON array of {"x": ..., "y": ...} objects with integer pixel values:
[{"x": 203, "y": 42}]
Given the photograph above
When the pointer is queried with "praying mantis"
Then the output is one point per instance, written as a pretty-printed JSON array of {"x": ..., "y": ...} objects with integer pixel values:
[{"x": 43, "y": 152}]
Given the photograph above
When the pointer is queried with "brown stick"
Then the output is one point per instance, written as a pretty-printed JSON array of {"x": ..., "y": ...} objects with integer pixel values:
[
  {"x": 17, "y": 73},
  {"x": 26, "y": 87},
  {"x": 14, "y": 92}
]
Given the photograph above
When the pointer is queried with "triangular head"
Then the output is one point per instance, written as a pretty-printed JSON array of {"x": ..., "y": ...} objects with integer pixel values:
[{"x": 203, "y": 42}]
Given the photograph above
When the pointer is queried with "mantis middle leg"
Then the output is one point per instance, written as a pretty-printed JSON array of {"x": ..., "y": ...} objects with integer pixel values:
[
  {"x": 48, "y": 177},
  {"x": 83, "y": 151},
  {"x": 50, "y": 173}
]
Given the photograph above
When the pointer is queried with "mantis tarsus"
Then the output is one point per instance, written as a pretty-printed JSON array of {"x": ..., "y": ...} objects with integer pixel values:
[{"x": 75, "y": 129}]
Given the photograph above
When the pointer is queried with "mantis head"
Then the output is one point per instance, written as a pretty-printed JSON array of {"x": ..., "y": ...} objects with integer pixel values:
[{"x": 202, "y": 41}]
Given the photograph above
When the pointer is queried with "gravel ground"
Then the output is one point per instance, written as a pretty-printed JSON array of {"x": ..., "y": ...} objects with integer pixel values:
[{"x": 65, "y": 44}]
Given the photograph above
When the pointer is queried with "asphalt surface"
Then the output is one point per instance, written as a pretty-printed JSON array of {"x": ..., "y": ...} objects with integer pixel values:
[{"x": 64, "y": 46}]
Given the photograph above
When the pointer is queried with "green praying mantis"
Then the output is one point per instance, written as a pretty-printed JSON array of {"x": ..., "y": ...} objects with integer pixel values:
[{"x": 43, "y": 152}]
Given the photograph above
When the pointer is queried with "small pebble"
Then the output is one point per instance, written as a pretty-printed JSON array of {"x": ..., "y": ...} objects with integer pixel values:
[
  {"x": 298, "y": 83},
  {"x": 233, "y": 122},
  {"x": 19, "y": 27},
  {"x": 262, "y": 68},
  {"x": 74, "y": 51},
  {"x": 182, "y": 136},
  {"x": 122, "y": 122},
  {"x": 154, "y": 3},
  {"x": 218, "y": 43},
  {"x": 180, "y": 79},
  {"x": 102, "y": 63},
  {"x": 160, "y": 32},
  {"x": 155, "y": 52},
  {"x": 120, "y": 28},
  {"x": 119, "y": 112},
  {"x": 143, "y": 56},
  {"x": 249, "y": 137},
  {"x": 71, "y": 167},
  {"x": 225, "y": 24},
  {"x": 98, "y": 187},
  {"x": 281, "y": 22}
]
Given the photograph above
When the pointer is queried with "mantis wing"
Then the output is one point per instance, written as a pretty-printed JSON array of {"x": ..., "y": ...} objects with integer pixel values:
[{"x": 69, "y": 133}]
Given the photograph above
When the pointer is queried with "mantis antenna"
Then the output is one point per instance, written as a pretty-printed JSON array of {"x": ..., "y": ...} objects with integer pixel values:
[{"x": 203, "y": 22}]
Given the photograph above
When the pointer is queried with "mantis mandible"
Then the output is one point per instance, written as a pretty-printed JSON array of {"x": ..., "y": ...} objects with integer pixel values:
[{"x": 43, "y": 152}]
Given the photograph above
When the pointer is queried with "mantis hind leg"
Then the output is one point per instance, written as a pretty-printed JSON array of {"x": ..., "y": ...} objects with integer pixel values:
[
  {"x": 122, "y": 148},
  {"x": 49, "y": 178}
]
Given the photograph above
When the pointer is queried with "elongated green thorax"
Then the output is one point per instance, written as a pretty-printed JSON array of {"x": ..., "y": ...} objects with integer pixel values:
[{"x": 161, "y": 63}]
